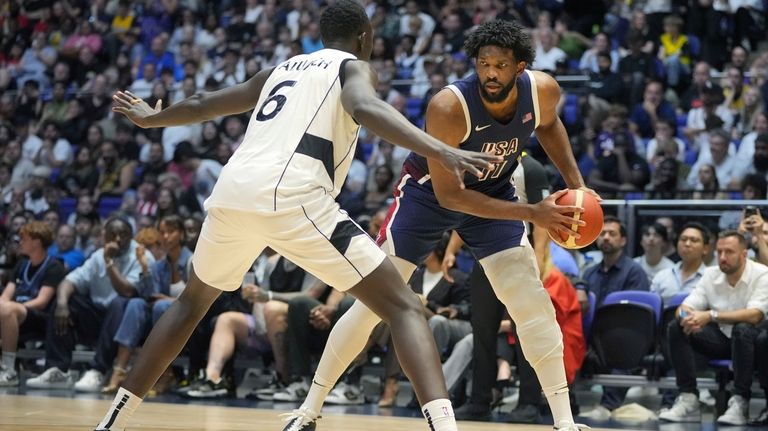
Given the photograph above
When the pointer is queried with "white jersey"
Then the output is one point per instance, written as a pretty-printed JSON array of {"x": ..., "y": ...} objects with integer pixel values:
[{"x": 299, "y": 143}]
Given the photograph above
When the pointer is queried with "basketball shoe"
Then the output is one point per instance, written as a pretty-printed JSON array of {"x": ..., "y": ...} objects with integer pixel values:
[
  {"x": 301, "y": 419},
  {"x": 570, "y": 426}
]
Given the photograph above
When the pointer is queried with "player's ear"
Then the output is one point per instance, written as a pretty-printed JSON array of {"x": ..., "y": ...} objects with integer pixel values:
[
  {"x": 520, "y": 67},
  {"x": 361, "y": 40}
]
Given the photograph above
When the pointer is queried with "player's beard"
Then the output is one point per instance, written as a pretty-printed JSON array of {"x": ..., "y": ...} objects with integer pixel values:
[{"x": 501, "y": 96}]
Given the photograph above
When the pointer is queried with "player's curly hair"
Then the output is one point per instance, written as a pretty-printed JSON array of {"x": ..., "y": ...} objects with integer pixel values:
[
  {"x": 504, "y": 34},
  {"x": 342, "y": 20}
]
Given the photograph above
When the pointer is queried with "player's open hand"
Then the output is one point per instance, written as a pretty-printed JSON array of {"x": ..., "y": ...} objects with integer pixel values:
[
  {"x": 133, "y": 107},
  {"x": 553, "y": 217},
  {"x": 458, "y": 161}
]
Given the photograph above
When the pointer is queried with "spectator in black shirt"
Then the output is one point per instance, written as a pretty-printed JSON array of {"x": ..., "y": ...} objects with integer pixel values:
[{"x": 637, "y": 68}]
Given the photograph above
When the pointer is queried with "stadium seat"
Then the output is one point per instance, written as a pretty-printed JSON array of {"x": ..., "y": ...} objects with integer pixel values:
[
  {"x": 694, "y": 44},
  {"x": 589, "y": 316},
  {"x": 413, "y": 108},
  {"x": 623, "y": 334},
  {"x": 66, "y": 207},
  {"x": 108, "y": 205},
  {"x": 650, "y": 299}
]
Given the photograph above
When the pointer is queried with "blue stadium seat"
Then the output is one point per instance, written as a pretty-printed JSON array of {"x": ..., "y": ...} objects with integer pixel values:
[
  {"x": 650, "y": 299},
  {"x": 108, "y": 205},
  {"x": 623, "y": 334},
  {"x": 589, "y": 316},
  {"x": 677, "y": 299},
  {"x": 66, "y": 207},
  {"x": 695, "y": 45},
  {"x": 413, "y": 108}
]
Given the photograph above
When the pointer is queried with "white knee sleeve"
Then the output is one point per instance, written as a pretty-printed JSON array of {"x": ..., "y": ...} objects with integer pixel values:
[
  {"x": 514, "y": 275},
  {"x": 350, "y": 334}
]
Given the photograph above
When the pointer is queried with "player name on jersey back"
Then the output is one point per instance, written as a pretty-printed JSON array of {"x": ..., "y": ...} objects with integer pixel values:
[{"x": 301, "y": 65}]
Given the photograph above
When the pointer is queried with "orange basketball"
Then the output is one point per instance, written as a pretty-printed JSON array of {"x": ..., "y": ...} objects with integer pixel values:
[{"x": 592, "y": 215}]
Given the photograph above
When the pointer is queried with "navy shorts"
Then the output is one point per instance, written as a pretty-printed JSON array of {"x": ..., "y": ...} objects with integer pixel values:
[{"x": 416, "y": 222}]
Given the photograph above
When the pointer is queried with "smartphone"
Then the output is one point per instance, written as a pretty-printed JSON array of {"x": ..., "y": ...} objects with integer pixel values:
[
  {"x": 249, "y": 278},
  {"x": 750, "y": 210}
]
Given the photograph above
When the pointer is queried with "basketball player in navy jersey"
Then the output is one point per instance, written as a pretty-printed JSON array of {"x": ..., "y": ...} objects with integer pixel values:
[
  {"x": 278, "y": 191},
  {"x": 493, "y": 111}
]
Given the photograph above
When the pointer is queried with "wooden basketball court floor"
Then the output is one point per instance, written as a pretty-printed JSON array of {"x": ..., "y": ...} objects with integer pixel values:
[{"x": 30, "y": 413}]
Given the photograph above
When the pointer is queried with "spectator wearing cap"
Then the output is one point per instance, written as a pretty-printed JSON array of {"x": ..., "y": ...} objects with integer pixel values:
[{"x": 606, "y": 87}]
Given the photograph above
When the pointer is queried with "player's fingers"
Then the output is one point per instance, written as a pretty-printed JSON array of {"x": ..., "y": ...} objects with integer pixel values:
[
  {"x": 458, "y": 174},
  {"x": 568, "y": 209},
  {"x": 568, "y": 231},
  {"x": 473, "y": 170},
  {"x": 556, "y": 195},
  {"x": 570, "y": 221}
]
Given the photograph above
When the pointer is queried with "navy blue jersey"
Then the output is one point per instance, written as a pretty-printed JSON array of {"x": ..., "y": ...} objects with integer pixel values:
[{"x": 485, "y": 134}]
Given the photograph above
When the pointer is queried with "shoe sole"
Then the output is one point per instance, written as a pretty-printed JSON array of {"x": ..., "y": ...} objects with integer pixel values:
[{"x": 49, "y": 386}]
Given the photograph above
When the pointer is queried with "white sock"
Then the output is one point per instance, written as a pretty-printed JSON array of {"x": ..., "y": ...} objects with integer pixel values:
[
  {"x": 120, "y": 411},
  {"x": 439, "y": 415},
  {"x": 551, "y": 374},
  {"x": 318, "y": 391},
  {"x": 9, "y": 360}
]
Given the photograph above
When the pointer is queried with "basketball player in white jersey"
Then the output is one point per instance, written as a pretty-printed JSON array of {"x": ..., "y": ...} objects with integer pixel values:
[{"x": 278, "y": 191}]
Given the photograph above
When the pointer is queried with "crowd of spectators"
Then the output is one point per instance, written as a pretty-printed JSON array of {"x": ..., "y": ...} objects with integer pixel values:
[{"x": 661, "y": 98}]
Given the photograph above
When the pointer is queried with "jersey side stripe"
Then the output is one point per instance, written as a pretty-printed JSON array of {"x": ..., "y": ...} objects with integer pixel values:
[{"x": 318, "y": 148}]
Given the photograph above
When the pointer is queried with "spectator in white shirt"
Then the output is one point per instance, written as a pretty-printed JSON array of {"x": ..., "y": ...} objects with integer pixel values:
[
  {"x": 726, "y": 166},
  {"x": 718, "y": 320},
  {"x": 547, "y": 54}
]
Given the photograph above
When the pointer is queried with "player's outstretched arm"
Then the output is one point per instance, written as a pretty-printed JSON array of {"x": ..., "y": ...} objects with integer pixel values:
[
  {"x": 360, "y": 101},
  {"x": 196, "y": 109}
]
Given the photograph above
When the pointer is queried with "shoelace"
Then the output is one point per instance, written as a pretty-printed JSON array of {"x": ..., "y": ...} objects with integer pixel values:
[{"x": 304, "y": 415}]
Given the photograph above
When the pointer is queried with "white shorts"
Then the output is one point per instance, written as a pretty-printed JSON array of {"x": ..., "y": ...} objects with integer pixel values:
[{"x": 317, "y": 236}]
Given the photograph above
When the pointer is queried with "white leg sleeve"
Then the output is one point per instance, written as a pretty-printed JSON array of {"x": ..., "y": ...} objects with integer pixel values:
[
  {"x": 350, "y": 334},
  {"x": 514, "y": 275}
]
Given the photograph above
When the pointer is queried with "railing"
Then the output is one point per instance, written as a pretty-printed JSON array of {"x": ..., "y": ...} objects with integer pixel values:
[{"x": 630, "y": 212}]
